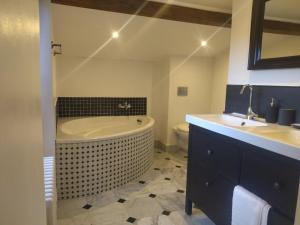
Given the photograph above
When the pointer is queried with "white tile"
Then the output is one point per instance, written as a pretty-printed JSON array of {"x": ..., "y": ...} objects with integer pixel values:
[
  {"x": 164, "y": 220},
  {"x": 171, "y": 201},
  {"x": 146, "y": 221},
  {"x": 143, "y": 207}
]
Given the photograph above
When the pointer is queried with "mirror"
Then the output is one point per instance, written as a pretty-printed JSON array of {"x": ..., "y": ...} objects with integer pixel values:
[
  {"x": 275, "y": 34},
  {"x": 287, "y": 43}
]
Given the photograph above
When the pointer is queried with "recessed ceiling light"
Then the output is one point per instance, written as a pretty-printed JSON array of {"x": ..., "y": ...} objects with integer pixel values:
[
  {"x": 203, "y": 43},
  {"x": 115, "y": 35}
]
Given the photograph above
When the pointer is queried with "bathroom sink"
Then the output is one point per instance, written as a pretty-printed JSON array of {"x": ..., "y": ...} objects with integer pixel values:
[{"x": 240, "y": 122}]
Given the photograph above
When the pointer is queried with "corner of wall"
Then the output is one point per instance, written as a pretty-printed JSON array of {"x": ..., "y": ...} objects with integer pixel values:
[{"x": 219, "y": 82}]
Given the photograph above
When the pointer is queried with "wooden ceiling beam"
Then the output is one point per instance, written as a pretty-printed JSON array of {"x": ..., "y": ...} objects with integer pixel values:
[
  {"x": 175, "y": 13},
  {"x": 154, "y": 9}
]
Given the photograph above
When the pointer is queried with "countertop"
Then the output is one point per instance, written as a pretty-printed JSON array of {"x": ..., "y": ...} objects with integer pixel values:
[{"x": 283, "y": 140}]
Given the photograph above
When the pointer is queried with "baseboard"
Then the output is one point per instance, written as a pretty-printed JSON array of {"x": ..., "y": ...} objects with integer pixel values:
[{"x": 163, "y": 147}]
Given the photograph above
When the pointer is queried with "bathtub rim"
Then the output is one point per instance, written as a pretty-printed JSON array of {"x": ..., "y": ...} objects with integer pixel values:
[{"x": 150, "y": 124}]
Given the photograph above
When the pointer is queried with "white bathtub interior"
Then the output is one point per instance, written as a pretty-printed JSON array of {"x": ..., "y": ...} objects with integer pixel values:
[{"x": 100, "y": 127}]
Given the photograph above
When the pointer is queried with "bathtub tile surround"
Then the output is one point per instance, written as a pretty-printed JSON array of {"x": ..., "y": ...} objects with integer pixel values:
[
  {"x": 100, "y": 106},
  {"x": 287, "y": 97},
  {"x": 90, "y": 168},
  {"x": 167, "y": 208}
]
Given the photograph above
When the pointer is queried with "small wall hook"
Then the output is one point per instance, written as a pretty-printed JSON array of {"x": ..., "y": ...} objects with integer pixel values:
[{"x": 56, "y": 48}]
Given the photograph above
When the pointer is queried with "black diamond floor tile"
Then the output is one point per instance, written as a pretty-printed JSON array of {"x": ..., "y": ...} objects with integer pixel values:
[
  {"x": 142, "y": 182},
  {"x": 180, "y": 191},
  {"x": 167, "y": 178},
  {"x": 131, "y": 220},
  {"x": 121, "y": 200},
  {"x": 166, "y": 213},
  {"x": 152, "y": 195},
  {"x": 87, "y": 206}
]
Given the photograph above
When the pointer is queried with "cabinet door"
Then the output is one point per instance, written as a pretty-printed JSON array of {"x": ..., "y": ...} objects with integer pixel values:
[
  {"x": 272, "y": 177},
  {"x": 212, "y": 193},
  {"x": 276, "y": 218},
  {"x": 207, "y": 187}
]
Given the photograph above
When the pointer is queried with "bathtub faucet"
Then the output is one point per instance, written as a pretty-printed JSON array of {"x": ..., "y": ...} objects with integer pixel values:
[{"x": 125, "y": 106}]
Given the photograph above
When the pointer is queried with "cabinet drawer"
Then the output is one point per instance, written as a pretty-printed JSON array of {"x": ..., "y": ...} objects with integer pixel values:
[
  {"x": 212, "y": 193},
  {"x": 215, "y": 152},
  {"x": 275, "y": 218},
  {"x": 272, "y": 177}
]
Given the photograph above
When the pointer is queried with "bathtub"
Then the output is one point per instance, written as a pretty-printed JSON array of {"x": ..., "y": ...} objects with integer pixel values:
[{"x": 98, "y": 154}]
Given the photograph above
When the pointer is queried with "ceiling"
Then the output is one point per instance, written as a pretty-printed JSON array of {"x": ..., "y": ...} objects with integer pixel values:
[{"x": 82, "y": 32}]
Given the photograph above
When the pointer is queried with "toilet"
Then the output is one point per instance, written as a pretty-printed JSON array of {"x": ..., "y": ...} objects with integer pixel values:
[{"x": 182, "y": 135}]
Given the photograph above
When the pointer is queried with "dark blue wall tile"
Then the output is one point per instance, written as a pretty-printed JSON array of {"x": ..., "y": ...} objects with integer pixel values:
[{"x": 287, "y": 97}]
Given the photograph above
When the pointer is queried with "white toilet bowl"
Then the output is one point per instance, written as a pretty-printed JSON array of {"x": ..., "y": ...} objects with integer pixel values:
[{"x": 182, "y": 134}]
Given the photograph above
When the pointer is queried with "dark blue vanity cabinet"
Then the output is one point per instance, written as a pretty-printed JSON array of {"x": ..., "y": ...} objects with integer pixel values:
[{"x": 218, "y": 163}]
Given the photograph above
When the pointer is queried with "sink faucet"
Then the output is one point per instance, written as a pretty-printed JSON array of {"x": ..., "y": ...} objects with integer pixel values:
[
  {"x": 250, "y": 113},
  {"x": 125, "y": 106}
]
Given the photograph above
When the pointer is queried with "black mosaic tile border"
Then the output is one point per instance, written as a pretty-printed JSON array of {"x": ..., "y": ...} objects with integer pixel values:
[
  {"x": 100, "y": 106},
  {"x": 287, "y": 97}
]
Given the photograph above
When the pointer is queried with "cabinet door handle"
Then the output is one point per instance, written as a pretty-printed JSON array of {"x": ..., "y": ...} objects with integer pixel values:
[
  {"x": 277, "y": 186},
  {"x": 209, "y": 183},
  {"x": 209, "y": 152}
]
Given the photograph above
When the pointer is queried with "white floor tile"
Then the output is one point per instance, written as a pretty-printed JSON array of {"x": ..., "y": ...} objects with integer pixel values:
[{"x": 144, "y": 210}]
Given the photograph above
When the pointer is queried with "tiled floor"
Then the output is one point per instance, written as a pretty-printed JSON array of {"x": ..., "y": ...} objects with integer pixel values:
[{"x": 157, "y": 198}]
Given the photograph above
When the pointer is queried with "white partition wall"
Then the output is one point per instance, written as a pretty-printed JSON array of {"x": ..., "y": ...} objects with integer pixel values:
[{"x": 21, "y": 147}]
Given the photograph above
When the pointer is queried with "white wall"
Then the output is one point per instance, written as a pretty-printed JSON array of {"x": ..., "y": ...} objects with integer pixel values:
[
  {"x": 47, "y": 92},
  {"x": 219, "y": 83},
  {"x": 21, "y": 171},
  {"x": 104, "y": 77},
  {"x": 169, "y": 109},
  {"x": 160, "y": 100},
  {"x": 240, "y": 39},
  {"x": 196, "y": 74}
]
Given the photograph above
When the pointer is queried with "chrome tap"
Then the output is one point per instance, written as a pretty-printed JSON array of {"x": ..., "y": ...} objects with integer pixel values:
[
  {"x": 250, "y": 114},
  {"x": 125, "y": 106}
]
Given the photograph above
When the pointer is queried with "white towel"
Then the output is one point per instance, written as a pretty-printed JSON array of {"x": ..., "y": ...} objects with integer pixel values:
[
  {"x": 265, "y": 214},
  {"x": 247, "y": 208}
]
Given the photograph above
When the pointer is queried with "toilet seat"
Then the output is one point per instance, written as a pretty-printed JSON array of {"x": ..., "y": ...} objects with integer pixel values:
[
  {"x": 183, "y": 127},
  {"x": 182, "y": 135}
]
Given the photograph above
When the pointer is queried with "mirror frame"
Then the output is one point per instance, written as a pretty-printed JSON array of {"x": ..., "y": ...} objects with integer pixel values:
[{"x": 255, "y": 62}]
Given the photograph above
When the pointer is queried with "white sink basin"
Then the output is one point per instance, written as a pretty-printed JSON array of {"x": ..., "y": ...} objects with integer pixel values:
[{"x": 240, "y": 122}]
